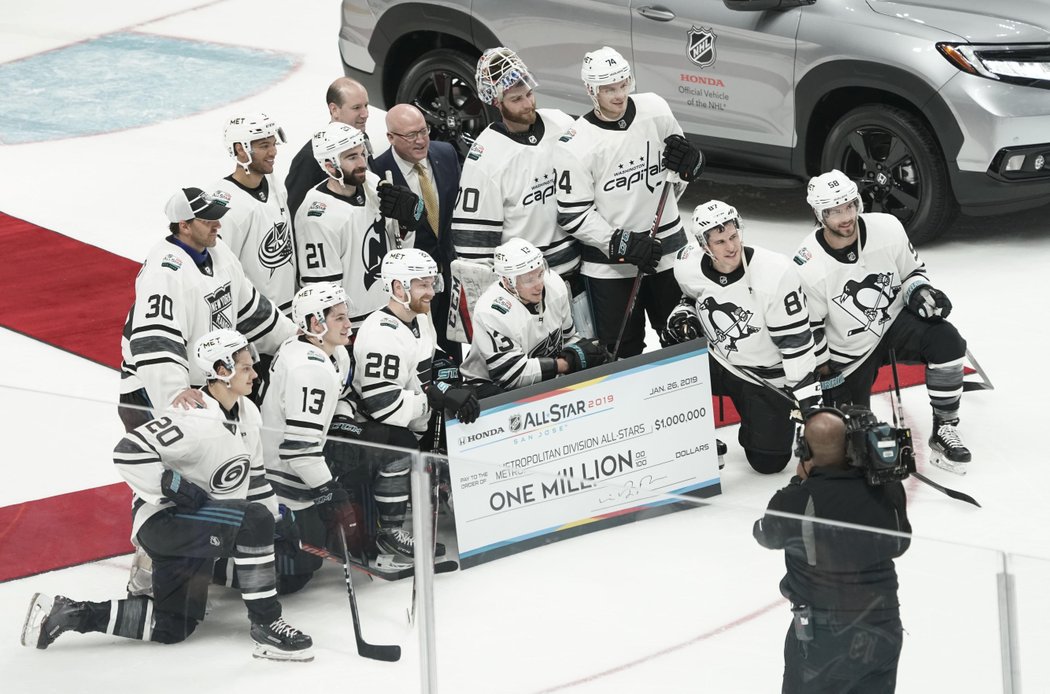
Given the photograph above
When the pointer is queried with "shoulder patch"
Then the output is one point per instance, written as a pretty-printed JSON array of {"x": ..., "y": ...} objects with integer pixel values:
[
  {"x": 502, "y": 304},
  {"x": 317, "y": 209},
  {"x": 222, "y": 197},
  {"x": 388, "y": 322},
  {"x": 802, "y": 256},
  {"x": 171, "y": 261},
  {"x": 476, "y": 150},
  {"x": 686, "y": 251},
  {"x": 569, "y": 134},
  {"x": 314, "y": 356}
]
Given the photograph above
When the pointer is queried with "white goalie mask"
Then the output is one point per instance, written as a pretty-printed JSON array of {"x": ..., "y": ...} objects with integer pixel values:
[
  {"x": 829, "y": 190},
  {"x": 498, "y": 70},
  {"x": 407, "y": 264},
  {"x": 605, "y": 66},
  {"x": 312, "y": 300},
  {"x": 711, "y": 215},
  {"x": 220, "y": 347},
  {"x": 245, "y": 129},
  {"x": 514, "y": 258},
  {"x": 331, "y": 141}
]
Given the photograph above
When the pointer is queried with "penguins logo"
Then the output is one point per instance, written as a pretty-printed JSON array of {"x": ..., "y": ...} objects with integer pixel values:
[
  {"x": 868, "y": 301},
  {"x": 275, "y": 249},
  {"x": 729, "y": 323},
  {"x": 373, "y": 248}
]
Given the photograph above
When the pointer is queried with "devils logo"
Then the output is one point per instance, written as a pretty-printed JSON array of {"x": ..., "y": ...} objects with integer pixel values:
[{"x": 373, "y": 248}]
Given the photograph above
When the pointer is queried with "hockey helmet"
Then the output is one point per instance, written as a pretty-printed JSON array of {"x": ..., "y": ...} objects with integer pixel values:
[
  {"x": 829, "y": 190},
  {"x": 220, "y": 347},
  {"x": 405, "y": 265},
  {"x": 499, "y": 69},
  {"x": 245, "y": 129},
  {"x": 516, "y": 257},
  {"x": 605, "y": 66},
  {"x": 331, "y": 141},
  {"x": 312, "y": 300},
  {"x": 711, "y": 215}
]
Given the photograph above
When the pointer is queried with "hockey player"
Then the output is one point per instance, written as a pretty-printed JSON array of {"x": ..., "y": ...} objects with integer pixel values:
[
  {"x": 394, "y": 351},
  {"x": 749, "y": 303},
  {"x": 190, "y": 283},
  {"x": 344, "y": 226},
  {"x": 347, "y": 101},
  {"x": 612, "y": 167},
  {"x": 258, "y": 228},
  {"x": 199, "y": 495},
  {"x": 508, "y": 180},
  {"x": 309, "y": 387},
  {"x": 869, "y": 293},
  {"x": 523, "y": 328}
]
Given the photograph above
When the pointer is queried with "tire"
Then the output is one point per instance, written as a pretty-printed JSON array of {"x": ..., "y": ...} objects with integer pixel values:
[
  {"x": 441, "y": 84},
  {"x": 898, "y": 166}
]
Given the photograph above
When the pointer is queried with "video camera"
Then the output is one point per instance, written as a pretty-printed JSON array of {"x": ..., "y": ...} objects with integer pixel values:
[{"x": 883, "y": 452}]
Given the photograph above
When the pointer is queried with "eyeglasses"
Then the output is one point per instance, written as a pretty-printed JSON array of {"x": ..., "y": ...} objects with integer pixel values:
[{"x": 414, "y": 135}]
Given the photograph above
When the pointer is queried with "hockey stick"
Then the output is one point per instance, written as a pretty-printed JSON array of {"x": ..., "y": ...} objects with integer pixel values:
[
  {"x": 387, "y": 654},
  {"x": 441, "y": 567},
  {"x": 898, "y": 421},
  {"x": 985, "y": 383},
  {"x": 632, "y": 298},
  {"x": 436, "y": 445}
]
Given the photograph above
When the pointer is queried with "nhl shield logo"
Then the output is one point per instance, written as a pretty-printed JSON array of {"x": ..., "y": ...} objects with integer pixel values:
[
  {"x": 515, "y": 422},
  {"x": 701, "y": 46}
]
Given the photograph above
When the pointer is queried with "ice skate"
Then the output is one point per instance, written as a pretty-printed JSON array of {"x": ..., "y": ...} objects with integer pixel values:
[
  {"x": 281, "y": 641},
  {"x": 722, "y": 449},
  {"x": 946, "y": 448},
  {"x": 48, "y": 618},
  {"x": 140, "y": 579},
  {"x": 397, "y": 544}
]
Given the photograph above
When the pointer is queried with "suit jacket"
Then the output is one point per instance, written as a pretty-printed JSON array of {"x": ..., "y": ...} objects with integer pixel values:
[{"x": 444, "y": 167}]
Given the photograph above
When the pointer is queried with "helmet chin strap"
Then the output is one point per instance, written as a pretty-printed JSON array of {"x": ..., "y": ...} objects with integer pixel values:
[
  {"x": 248, "y": 153},
  {"x": 320, "y": 319}
]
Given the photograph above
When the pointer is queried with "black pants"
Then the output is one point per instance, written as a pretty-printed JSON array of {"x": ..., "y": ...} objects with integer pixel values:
[
  {"x": 135, "y": 409},
  {"x": 917, "y": 341},
  {"x": 854, "y": 658},
  {"x": 766, "y": 430},
  {"x": 657, "y": 296}
]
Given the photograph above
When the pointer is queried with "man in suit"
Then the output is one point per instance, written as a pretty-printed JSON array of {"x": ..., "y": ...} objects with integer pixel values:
[
  {"x": 431, "y": 170},
  {"x": 347, "y": 103}
]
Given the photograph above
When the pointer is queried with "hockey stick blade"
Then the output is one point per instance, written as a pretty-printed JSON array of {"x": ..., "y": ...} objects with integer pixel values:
[
  {"x": 388, "y": 654},
  {"x": 946, "y": 490},
  {"x": 442, "y": 567}
]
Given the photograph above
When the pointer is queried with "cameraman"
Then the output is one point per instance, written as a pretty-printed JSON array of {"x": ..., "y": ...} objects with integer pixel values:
[{"x": 846, "y": 635}]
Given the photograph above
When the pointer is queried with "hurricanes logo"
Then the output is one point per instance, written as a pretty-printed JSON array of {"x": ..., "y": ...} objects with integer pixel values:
[
  {"x": 219, "y": 302},
  {"x": 275, "y": 249},
  {"x": 230, "y": 475},
  {"x": 373, "y": 248},
  {"x": 728, "y": 323},
  {"x": 868, "y": 301}
]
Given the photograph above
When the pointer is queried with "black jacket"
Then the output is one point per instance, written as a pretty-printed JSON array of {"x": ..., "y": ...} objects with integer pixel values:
[{"x": 831, "y": 568}]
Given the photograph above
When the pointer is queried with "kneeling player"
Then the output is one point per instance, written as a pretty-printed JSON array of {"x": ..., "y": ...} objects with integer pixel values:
[
  {"x": 199, "y": 495},
  {"x": 394, "y": 352},
  {"x": 523, "y": 327}
]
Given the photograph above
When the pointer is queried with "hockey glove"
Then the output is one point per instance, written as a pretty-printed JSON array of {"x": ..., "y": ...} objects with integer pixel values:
[
  {"x": 683, "y": 158},
  {"x": 188, "y": 497},
  {"x": 443, "y": 369},
  {"x": 459, "y": 400},
  {"x": 639, "y": 249},
  {"x": 286, "y": 534},
  {"x": 341, "y": 454},
  {"x": 683, "y": 324},
  {"x": 807, "y": 394},
  {"x": 400, "y": 203},
  {"x": 929, "y": 303},
  {"x": 334, "y": 507},
  {"x": 584, "y": 354}
]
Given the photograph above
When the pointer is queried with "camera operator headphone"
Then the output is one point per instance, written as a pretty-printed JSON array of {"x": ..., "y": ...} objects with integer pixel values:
[{"x": 801, "y": 445}]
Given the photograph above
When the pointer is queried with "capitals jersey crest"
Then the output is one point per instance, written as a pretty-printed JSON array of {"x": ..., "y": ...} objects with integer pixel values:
[{"x": 868, "y": 301}]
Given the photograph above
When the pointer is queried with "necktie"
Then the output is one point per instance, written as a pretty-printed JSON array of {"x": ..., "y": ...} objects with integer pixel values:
[{"x": 430, "y": 198}]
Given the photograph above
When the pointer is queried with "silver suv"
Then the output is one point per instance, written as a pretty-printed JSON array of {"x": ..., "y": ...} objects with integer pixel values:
[{"x": 932, "y": 106}]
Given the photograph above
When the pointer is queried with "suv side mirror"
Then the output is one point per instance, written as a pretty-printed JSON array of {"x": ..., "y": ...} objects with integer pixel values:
[{"x": 762, "y": 5}]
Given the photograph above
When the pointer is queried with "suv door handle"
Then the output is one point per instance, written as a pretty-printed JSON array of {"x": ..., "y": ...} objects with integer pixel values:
[{"x": 657, "y": 12}]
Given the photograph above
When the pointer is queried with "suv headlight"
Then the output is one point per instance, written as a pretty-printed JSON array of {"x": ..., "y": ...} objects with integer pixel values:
[{"x": 1023, "y": 64}]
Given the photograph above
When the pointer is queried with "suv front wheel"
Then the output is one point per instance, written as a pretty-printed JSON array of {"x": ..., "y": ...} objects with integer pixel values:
[
  {"x": 441, "y": 84},
  {"x": 897, "y": 165}
]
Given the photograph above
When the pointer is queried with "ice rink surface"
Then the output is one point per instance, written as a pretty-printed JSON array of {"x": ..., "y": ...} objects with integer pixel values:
[{"x": 685, "y": 602}]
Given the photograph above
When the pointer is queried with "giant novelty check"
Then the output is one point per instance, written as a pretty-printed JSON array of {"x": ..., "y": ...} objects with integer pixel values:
[{"x": 584, "y": 452}]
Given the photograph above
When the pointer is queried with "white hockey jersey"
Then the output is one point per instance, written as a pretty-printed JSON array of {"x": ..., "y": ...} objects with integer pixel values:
[
  {"x": 258, "y": 229},
  {"x": 756, "y": 320},
  {"x": 611, "y": 177},
  {"x": 222, "y": 456},
  {"x": 512, "y": 341},
  {"x": 506, "y": 191},
  {"x": 343, "y": 239},
  {"x": 307, "y": 389},
  {"x": 393, "y": 362},
  {"x": 856, "y": 293},
  {"x": 176, "y": 302}
]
